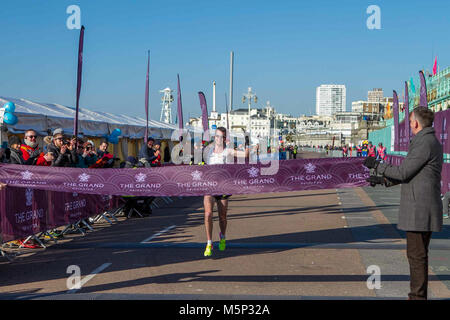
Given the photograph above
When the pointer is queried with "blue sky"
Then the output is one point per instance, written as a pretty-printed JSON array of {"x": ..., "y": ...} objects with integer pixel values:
[{"x": 283, "y": 50}]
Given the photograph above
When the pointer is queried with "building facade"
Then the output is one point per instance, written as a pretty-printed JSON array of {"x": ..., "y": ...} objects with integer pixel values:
[
  {"x": 330, "y": 98},
  {"x": 375, "y": 95}
]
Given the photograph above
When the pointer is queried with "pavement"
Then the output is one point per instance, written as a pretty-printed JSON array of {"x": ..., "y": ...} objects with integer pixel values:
[{"x": 317, "y": 244}]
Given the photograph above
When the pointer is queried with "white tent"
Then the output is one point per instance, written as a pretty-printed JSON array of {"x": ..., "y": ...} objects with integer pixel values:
[{"x": 45, "y": 117}]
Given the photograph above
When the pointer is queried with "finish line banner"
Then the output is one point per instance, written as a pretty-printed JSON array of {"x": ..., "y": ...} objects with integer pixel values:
[{"x": 289, "y": 175}]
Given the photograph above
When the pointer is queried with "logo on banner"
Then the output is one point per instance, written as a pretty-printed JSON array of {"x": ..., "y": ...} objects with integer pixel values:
[
  {"x": 29, "y": 197},
  {"x": 310, "y": 168},
  {"x": 253, "y": 172},
  {"x": 196, "y": 175},
  {"x": 311, "y": 177},
  {"x": 84, "y": 177},
  {"x": 26, "y": 179},
  {"x": 139, "y": 185},
  {"x": 27, "y": 175},
  {"x": 197, "y": 184},
  {"x": 140, "y": 177}
]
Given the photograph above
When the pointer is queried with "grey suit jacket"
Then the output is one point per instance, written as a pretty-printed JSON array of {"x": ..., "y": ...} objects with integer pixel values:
[{"x": 420, "y": 176}]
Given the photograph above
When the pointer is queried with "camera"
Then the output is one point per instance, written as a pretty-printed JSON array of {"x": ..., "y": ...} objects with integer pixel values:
[{"x": 375, "y": 178}]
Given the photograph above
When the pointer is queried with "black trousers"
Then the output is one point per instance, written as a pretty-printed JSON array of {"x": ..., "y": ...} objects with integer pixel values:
[{"x": 417, "y": 251}]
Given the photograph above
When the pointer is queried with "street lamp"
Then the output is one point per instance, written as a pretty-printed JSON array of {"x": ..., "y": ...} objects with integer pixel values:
[{"x": 249, "y": 96}]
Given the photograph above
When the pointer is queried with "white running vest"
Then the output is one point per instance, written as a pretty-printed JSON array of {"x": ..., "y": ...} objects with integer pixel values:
[{"x": 218, "y": 158}]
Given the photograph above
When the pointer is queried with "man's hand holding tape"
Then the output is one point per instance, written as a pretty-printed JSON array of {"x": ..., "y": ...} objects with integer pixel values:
[{"x": 374, "y": 179}]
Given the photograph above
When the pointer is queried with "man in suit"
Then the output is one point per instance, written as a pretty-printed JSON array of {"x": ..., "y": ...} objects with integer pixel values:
[{"x": 420, "y": 202}]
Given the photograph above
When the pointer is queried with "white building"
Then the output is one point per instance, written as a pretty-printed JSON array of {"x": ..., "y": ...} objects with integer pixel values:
[
  {"x": 375, "y": 95},
  {"x": 261, "y": 121},
  {"x": 330, "y": 98}
]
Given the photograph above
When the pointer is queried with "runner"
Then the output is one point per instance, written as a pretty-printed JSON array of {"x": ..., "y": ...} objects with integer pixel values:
[{"x": 218, "y": 153}]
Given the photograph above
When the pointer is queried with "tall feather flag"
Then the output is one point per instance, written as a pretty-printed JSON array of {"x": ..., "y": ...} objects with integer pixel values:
[
  {"x": 204, "y": 108},
  {"x": 146, "y": 96},
  {"x": 423, "y": 90},
  {"x": 79, "y": 77},
  {"x": 180, "y": 109},
  {"x": 435, "y": 66},
  {"x": 396, "y": 131},
  {"x": 407, "y": 130}
]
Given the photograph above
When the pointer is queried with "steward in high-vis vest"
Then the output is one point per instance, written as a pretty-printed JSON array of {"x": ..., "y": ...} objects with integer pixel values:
[
  {"x": 371, "y": 151},
  {"x": 381, "y": 152},
  {"x": 344, "y": 151},
  {"x": 358, "y": 151}
]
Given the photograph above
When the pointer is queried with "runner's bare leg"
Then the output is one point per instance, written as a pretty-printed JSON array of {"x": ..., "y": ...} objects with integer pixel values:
[
  {"x": 222, "y": 207},
  {"x": 208, "y": 202}
]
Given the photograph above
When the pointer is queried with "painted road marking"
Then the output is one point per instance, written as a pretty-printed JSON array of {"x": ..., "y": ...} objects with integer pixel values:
[{"x": 157, "y": 234}]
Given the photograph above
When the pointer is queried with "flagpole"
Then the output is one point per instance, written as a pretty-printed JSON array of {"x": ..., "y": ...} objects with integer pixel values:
[
  {"x": 79, "y": 78},
  {"x": 146, "y": 96},
  {"x": 226, "y": 106},
  {"x": 180, "y": 109}
]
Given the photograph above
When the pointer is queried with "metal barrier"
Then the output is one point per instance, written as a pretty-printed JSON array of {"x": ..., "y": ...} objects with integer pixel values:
[{"x": 79, "y": 226}]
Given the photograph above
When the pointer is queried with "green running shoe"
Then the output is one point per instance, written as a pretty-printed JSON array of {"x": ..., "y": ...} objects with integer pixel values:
[
  {"x": 222, "y": 242},
  {"x": 208, "y": 250}
]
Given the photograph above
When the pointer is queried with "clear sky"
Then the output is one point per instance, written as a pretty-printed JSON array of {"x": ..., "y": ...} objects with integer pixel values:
[{"x": 283, "y": 50}]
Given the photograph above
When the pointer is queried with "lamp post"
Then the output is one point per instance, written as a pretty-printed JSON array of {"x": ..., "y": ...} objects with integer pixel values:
[{"x": 249, "y": 96}]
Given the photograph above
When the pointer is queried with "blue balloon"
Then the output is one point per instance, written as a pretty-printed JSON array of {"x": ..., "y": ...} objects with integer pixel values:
[
  {"x": 116, "y": 132},
  {"x": 10, "y": 118},
  {"x": 9, "y": 107},
  {"x": 113, "y": 139}
]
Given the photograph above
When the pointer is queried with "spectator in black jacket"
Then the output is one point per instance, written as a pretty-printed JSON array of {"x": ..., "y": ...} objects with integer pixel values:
[
  {"x": 102, "y": 149},
  {"x": 16, "y": 156},
  {"x": 64, "y": 152},
  {"x": 147, "y": 153}
]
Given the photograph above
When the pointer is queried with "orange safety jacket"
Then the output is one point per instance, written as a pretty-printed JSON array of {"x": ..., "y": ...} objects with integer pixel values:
[
  {"x": 382, "y": 153},
  {"x": 371, "y": 152}
]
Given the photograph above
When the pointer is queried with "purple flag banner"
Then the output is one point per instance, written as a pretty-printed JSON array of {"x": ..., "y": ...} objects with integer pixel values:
[
  {"x": 146, "y": 97},
  {"x": 441, "y": 119},
  {"x": 79, "y": 78},
  {"x": 402, "y": 135},
  {"x": 396, "y": 128},
  {"x": 292, "y": 175},
  {"x": 205, "y": 122},
  {"x": 180, "y": 108},
  {"x": 407, "y": 129},
  {"x": 423, "y": 90}
]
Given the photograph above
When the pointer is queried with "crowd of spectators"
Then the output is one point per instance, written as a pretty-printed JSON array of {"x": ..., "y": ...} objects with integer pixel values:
[{"x": 59, "y": 150}]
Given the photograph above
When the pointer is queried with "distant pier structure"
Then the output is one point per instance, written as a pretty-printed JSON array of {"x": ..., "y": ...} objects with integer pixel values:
[{"x": 166, "y": 105}]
